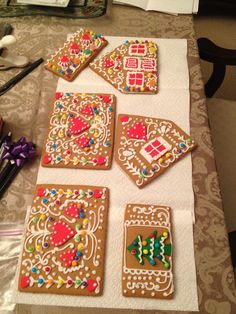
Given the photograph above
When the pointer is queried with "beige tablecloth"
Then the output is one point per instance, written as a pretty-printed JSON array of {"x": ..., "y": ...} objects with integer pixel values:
[{"x": 25, "y": 109}]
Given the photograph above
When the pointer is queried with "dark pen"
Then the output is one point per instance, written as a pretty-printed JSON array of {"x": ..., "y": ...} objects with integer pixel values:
[{"x": 4, "y": 88}]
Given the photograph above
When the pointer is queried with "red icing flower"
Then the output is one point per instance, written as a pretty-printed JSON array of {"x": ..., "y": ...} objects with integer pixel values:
[
  {"x": 87, "y": 110},
  {"x": 58, "y": 95},
  {"x": 24, "y": 281},
  {"x": 97, "y": 193},
  {"x": 41, "y": 192},
  {"x": 86, "y": 38},
  {"x": 106, "y": 98},
  {"x": 91, "y": 285},
  {"x": 72, "y": 210},
  {"x": 47, "y": 159},
  {"x": 78, "y": 125},
  {"x": 82, "y": 141},
  {"x": 108, "y": 63},
  {"x": 74, "y": 48},
  {"x": 124, "y": 119},
  {"x": 64, "y": 61}
]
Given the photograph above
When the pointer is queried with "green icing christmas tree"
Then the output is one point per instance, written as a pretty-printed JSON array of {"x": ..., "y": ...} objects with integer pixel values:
[{"x": 151, "y": 248}]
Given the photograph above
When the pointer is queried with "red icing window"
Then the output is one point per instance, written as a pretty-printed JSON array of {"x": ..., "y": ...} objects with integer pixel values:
[
  {"x": 148, "y": 64},
  {"x": 131, "y": 63},
  {"x": 135, "y": 79},
  {"x": 155, "y": 149},
  {"x": 137, "y": 49}
]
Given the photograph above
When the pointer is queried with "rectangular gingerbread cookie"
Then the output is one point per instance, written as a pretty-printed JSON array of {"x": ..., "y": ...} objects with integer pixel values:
[
  {"x": 64, "y": 244},
  {"x": 82, "y": 47},
  {"x": 131, "y": 67},
  {"x": 147, "y": 254},
  {"x": 80, "y": 132}
]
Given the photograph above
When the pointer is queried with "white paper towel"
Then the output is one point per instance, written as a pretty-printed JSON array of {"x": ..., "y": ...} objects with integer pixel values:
[{"x": 174, "y": 188}]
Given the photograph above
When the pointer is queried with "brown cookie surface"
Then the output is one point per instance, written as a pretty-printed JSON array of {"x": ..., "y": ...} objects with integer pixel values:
[
  {"x": 130, "y": 68},
  {"x": 80, "y": 131},
  {"x": 82, "y": 47},
  {"x": 146, "y": 147},
  {"x": 64, "y": 243},
  {"x": 147, "y": 254}
]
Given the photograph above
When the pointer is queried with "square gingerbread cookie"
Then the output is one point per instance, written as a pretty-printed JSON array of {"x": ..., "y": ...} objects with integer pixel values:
[
  {"x": 131, "y": 68},
  {"x": 147, "y": 254},
  {"x": 82, "y": 47},
  {"x": 64, "y": 244},
  {"x": 80, "y": 132},
  {"x": 146, "y": 147}
]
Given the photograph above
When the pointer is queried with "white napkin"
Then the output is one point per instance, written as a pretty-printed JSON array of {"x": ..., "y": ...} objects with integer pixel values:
[{"x": 173, "y": 188}]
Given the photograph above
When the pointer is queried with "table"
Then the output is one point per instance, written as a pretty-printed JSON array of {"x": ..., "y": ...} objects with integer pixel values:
[{"x": 26, "y": 107}]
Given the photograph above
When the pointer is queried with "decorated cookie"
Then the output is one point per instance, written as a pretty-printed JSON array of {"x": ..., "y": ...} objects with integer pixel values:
[
  {"x": 80, "y": 133},
  {"x": 131, "y": 67},
  {"x": 147, "y": 252},
  {"x": 64, "y": 243},
  {"x": 146, "y": 147},
  {"x": 75, "y": 55}
]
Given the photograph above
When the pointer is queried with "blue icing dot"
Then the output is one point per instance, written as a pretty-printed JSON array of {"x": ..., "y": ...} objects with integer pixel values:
[
  {"x": 45, "y": 200},
  {"x": 59, "y": 106},
  {"x": 182, "y": 145},
  {"x": 107, "y": 143},
  {"x": 58, "y": 158},
  {"x": 126, "y": 87},
  {"x": 152, "y": 262},
  {"x": 34, "y": 269},
  {"x": 157, "y": 245},
  {"x": 110, "y": 109},
  {"x": 135, "y": 243},
  {"x": 91, "y": 141},
  {"x": 54, "y": 146},
  {"x": 67, "y": 94},
  {"x": 78, "y": 253},
  {"x": 53, "y": 191},
  {"x": 40, "y": 280},
  {"x": 145, "y": 171},
  {"x": 81, "y": 215}
]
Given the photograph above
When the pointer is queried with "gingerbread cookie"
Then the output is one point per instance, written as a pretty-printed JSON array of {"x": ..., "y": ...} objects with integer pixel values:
[
  {"x": 146, "y": 147},
  {"x": 64, "y": 244},
  {"x": 75, "y": 55},
  {"x": 81, "y": 131},
  {"x": 131, "y": 67},
  {"x": 147, "y": 254}
]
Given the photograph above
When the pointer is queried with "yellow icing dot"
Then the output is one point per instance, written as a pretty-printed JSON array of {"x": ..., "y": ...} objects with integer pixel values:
[
  {"x": 96, "y": 134},
  {"x": 75, "y": 159},
  {"x": 80, "y": 246},
  {"x": 144, "y": 243},
  {"x": 152, "y": 50},
  {"x": 168, "y": 155},
  {"x": 60, "y": 191},
  {"x": 60, "y": 282},
  {"x": 96, "y": 42},
  {"x": 142, "y": 89},
  {"x": 161, "y": 160},
  {"x": 110, "y": 71},
  {"x": 85, "y": 221},
  {"x": 61, "y": 133},
  {"x": 97, "y": 118},
  {"x": 131, "y": 41},
  {"x": 50, "y": 281},
  {"x": 74, "y": 263},
  {"x": 67, "y": 159},
  {"x": 43, "y": 217},
  {"x": 165, "y": 234},
  {"x": 38, "y": 248},
  {"x": 69, "y": 192},
  {"x": 140, "y": 41},
  {"x": 150, "y": 44},
  {"x": 145, "y": 251},
  {"x": 149, "y": 75},
  {"x": 83, "y": 95}
]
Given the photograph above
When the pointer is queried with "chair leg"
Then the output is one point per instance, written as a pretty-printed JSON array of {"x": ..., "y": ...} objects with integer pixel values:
[{"x": 215, "y": 79}]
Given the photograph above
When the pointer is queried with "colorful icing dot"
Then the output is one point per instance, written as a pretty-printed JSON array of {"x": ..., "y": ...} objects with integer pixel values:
[
  {"x": 45, "y": 244},
  {"x": 91, "y": 141},
  {"x": 145, "y": 251},
  {"x": 156, "y": 245},
  {"x": 79, "y": 253},
  {"x": 110, "y": 109},
  {"x": 161, "y": 160},
  {"x": 107, "y": 143},
  {"x": 82, "y": 193},
  {"x": 35, "y": 219},
  {"x": 84, "y": 283},
  {"x": 92, "y": 285},
  {"x": 101, "y": 160},
  {"x": 43, "y": 216},
  {"x": 144, "y": 172},
  {"x": 59, "y": 106},
  {"x": 81, "y": 215},
  {"x": 144, "y": 243},
  {"x": 58, "y": 158},
  {"x": 91, "y": 193},
  {"x": 47, "y": 269},
  {"x": 30, "y": 249},
  {"x": 189, "y": 140},
  {"x": 135, "y": 243},
  {"x": 53, "y": 191},
  {"x": 44, "y": 200},
  {"x": 127, "y": 88},
  {"x": 50, "y": 218},
  {"x": 33, "y": 269},
  {"x": 78, "y": 226},
  {"x": 87, "y": 52},
  {"x": 69, "y": 282},
  {"x": 80, "y": 246},
  {"x": 77, "y": 238},
  {"x": 24, "y": 281},
  {"x": 85, "y": 221},
  {"x": 50, "y": 281},
  {"x": 166, "y": 264},
  {"x": 182, "y": 145},
  {"x": 179, "y": 151},
  {"x": 159, "y": 256},
  {"x": 165, "y": 234},
  {"x": 38, "y": 248},
  {"x": 168, "y": 155},
  {"x": 78, "y": 282},
  {"x": 47, "y": 159},
  {"x": 152, "y": 262},
  {"x": 97, "y": 193},
  {"x": 41, "y": 192},
  {"x": 74, "y": 263},
  {"x": 40, "y": 281},
  {"x": 133, "y": 251},
  {"x": 60, "y": 282}
]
